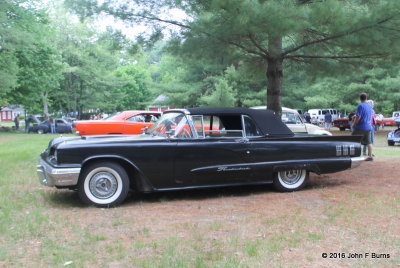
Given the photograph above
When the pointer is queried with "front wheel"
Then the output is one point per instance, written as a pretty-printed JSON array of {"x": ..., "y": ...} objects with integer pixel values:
[
  {"x": 103, "y": 184},
  {"x": 290, "y": 180},
  {"x": 342, "y": 128},
  {"x": 391, "y": 143}
]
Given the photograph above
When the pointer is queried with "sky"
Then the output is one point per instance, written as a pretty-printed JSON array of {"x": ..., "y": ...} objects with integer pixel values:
[{"x": 132, "y": 31}]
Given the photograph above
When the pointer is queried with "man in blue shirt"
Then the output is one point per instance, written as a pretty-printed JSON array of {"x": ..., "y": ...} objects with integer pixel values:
[
  {"x": 362, "y": 124},
  {"x": 328, "y": 120}
]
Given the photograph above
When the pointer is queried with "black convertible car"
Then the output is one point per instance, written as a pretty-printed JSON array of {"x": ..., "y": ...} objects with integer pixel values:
[{"x": 194, "y": 148}]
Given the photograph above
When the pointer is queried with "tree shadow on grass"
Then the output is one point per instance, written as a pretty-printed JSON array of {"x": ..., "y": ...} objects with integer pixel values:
[
  {"x": 327, "y": 181},
  {"x": 199, "y": 194},
  {"x": 70, "y": 199}
]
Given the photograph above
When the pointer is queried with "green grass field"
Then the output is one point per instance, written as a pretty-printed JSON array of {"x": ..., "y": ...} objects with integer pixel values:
[{"x": 45, "y": 227}]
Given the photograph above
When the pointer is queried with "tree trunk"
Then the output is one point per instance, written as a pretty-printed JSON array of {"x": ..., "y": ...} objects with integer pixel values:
[
  {"x": 80, "y": 97},
  {"x": 45, "y": 104},
  {"x": 274, "y": 75}
]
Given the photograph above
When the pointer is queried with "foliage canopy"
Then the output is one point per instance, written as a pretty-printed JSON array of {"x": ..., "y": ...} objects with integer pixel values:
[{"x": 297, "y": 53}]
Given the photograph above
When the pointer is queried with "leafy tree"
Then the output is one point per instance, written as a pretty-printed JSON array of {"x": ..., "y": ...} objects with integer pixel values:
[
  {"x": 90, "y": 63},
  {"x": 134, "y": 90},
  {"x": 248, "y": 85},
  {"x": 223, "y": 95},
  {"x": 20, "y": 24},
  {"x": 39, "y": 76},
  {"x": 183, "y": 83},
  {"x": 268, "y": 33}
]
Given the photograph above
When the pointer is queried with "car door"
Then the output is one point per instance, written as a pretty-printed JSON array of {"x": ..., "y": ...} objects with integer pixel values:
[
  {"x": 61, "y": 126},
  {"x": 211, "y": 162},
  {"x": 219, "y": 156},
  {"x": 294, "y": 122}
]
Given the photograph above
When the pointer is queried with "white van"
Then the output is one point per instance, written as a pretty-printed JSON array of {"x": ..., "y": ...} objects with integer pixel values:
[{"x": 318, "y": 115}]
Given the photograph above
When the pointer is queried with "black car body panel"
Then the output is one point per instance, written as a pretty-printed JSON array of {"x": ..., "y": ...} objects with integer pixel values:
[{"x": 207, "y": 158}]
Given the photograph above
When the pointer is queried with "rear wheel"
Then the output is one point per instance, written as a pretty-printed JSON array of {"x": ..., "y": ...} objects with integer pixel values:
[
  {"x": 391, "y": 143},
  {"x": 104, "y": 184},
  {"x": 40, "y": 131},
  {"x": 290, "y": 180},
  {"x": 342, "y": 128}
]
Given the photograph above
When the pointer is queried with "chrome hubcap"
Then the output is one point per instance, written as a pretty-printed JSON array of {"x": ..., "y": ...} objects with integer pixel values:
[
  {"x": 103, "y": 185},
  {"x": 291, "y": 176}
]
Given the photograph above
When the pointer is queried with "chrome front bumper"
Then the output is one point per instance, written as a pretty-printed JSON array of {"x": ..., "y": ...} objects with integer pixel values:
[
  {"x": 51, "y": 176},
  {"x": 356, "y": 161}
]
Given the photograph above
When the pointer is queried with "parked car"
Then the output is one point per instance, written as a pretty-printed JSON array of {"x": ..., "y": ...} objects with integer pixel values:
[
  {"x": 62, "y": 126},
  {"x": 386, "y": 121},
  {"x": 343, "y": 123},
  {"x": 393, "y": 137},
  {"x": 126, "y": 122},
  {"x": 296, "y": 123},
  {"x": 194, "y": 148}
]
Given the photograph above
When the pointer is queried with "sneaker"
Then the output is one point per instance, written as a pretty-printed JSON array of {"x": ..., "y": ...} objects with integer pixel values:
[{"x": 369, "y": 158}]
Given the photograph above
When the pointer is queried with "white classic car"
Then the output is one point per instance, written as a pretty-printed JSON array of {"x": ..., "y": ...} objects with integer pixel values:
[{"x": 296, "y": 122}]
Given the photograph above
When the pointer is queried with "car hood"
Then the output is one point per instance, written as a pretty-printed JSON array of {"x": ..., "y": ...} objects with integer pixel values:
[
  {"x": 313, "y": 129},
  {"x": 96, "y": 122},
  {"x": 63, "y": 142}
]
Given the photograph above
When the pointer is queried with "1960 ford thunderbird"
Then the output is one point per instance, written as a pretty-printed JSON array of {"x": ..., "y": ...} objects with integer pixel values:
[{"x": 194, "y": 148}]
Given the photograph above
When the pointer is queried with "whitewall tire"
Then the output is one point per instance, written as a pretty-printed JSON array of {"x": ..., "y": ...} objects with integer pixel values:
[
  {"x": 103, "y": 184},
  {"x": 291, "y": 180}
]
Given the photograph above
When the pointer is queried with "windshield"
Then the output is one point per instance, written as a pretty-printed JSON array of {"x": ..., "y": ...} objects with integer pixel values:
[
  {"x": 172, "y": 125},
  {"x": 291, "y": 118},
  {"x": 111, "y": 116}
]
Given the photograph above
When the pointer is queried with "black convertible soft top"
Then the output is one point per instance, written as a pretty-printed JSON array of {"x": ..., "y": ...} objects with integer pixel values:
[{"x": 266, "y": 120}]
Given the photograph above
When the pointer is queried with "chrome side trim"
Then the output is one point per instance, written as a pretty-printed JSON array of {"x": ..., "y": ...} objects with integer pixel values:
[
  {"x": 356, "y": 161},
  {"x": 51, "y": 176}
]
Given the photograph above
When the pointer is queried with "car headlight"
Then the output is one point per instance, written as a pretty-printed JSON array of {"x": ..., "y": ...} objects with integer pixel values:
[{"x": 53, "y": 155}]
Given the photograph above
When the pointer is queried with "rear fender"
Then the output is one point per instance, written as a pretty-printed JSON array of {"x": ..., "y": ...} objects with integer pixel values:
[{"x": 307, "y": 166}]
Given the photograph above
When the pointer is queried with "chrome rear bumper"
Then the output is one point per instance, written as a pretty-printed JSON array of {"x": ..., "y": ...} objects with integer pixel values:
[
  {"x": 356, "y": 161},
  {"x": 51, "y": 176}
]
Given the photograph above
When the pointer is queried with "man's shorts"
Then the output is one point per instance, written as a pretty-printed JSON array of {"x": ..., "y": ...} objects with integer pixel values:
[{"x": 366, "y": 139}]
